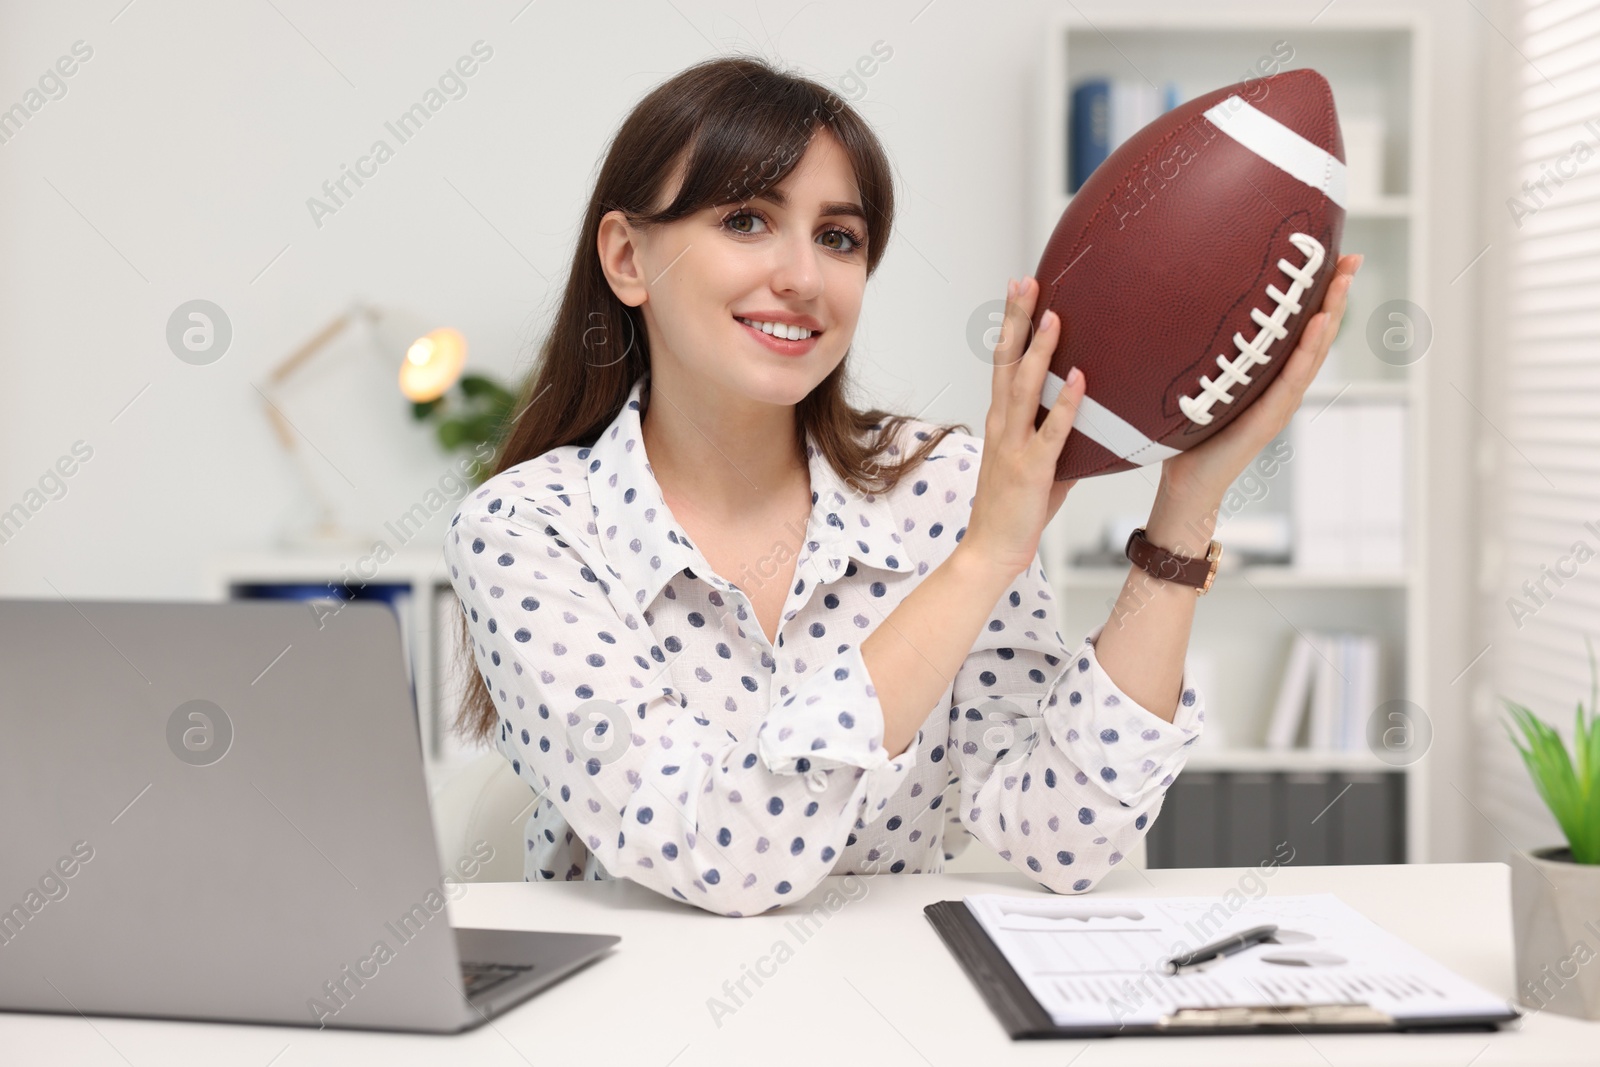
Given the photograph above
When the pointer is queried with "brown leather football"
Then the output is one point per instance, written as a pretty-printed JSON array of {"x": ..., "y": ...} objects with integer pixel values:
[{"x": 1186, "y": 267}]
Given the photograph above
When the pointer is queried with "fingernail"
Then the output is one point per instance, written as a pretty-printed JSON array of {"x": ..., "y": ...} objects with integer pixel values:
[
  {"x": 1074, "y": 376},
  {"x": 1011, "y": 288}
]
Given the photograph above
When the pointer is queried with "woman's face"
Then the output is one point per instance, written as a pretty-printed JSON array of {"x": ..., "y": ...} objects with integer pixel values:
[{"x": 793, "y": 255}]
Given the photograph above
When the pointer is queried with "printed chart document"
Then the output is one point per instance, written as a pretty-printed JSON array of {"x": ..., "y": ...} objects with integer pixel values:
[{"x": 1090, "y": 960}]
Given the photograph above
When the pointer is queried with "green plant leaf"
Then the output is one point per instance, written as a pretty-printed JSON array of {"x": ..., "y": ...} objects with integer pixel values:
[
  {"x": 452, "y": 434},
  {"x": 481, "y": 426},
  {"x": 478, "y": 385},
  {"x": 1587, "y": 743},
  {"x": 477, "y": 410},
  {"x": 1568, "y": 783}
]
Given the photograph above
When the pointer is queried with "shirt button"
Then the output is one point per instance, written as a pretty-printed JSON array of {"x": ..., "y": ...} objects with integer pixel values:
[{"x": 816, "y": 781}]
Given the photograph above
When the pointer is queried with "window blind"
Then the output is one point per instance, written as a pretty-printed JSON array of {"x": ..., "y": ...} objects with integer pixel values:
[{"x": 1542, "y": 529}]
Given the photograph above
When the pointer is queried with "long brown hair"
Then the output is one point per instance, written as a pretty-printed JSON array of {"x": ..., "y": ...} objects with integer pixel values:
[{"x": 742, "y": 126}]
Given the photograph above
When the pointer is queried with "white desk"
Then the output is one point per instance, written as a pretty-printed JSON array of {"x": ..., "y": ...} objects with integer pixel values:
[{"x": 873, "y": 984}]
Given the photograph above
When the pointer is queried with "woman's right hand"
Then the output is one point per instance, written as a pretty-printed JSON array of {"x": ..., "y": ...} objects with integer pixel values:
[{"x": 1017, "y": 494}]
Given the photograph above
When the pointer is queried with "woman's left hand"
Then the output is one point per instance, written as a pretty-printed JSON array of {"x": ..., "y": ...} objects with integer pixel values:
[{"x": 1204, "y": 472}]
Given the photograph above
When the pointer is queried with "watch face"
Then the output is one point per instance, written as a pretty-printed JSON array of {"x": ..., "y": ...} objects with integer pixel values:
[{"x": 1214, "y": 553}]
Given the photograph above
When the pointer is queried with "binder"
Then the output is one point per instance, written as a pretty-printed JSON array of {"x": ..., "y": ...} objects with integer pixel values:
[
  {"x": 1349, "y": 493},
  {"x": 1289, "y": 711},
  {"x": 1380, "y": 430},
  {"x": 1319, "y": 501},
  {"x": 1195, "y": 817},
  {"x": 1251, "y": 828},
  {"x": 1370, "y": 816},
  {"x": 1367, "y": 683},
  {"x": 1309, "y": 823},
  {"x": 1024, "y": 1018},
  {"x": 1339, "y": 672},
  {"x": 1325, "y": 691},
  {"x": 1239, "y": 818}
]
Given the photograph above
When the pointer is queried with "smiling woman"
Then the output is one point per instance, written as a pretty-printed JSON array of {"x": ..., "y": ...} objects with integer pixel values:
[{"x": 897, "y": 681}]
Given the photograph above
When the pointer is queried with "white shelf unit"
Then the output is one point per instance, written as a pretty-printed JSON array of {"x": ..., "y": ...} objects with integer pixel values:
[
  {"x": 426, "y": 647},
  {"x": 1377, "y": 64}
]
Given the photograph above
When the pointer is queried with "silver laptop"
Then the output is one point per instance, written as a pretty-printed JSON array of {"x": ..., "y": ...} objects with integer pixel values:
[{"x": 218, "y": 811}]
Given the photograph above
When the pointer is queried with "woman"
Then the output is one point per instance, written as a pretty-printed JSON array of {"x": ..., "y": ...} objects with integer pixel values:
[{"x": 715, "y": 627}]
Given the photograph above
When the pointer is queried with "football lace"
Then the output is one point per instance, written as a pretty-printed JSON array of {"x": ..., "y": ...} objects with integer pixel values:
[{"x": 1253, "y": 351}]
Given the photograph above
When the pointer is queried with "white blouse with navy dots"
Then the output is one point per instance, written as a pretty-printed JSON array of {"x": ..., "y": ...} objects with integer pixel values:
[{"x": 750, "y": 772}]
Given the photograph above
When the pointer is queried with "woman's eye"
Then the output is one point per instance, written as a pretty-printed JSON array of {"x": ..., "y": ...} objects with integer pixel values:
[
  {"x": 855, "y": 242},
  {"x": 732, "y": 220}
]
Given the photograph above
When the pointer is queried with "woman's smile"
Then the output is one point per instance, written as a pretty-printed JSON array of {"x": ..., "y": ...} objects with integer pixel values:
[{"x": 784, "y": 339}]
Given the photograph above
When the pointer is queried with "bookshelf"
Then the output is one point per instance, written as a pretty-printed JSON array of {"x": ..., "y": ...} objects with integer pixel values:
[{"x": 1377, "y": 63}]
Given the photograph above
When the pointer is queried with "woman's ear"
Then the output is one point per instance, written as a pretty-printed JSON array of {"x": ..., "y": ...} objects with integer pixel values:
[{"x": 620, "y": 258}]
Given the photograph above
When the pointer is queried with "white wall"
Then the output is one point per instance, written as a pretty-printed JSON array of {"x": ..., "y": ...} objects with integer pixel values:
[{"x": 178, "y": 165}]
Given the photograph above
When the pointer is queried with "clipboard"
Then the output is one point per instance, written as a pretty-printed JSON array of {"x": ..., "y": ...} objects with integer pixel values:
[{"x": 1024, "y": 1017}]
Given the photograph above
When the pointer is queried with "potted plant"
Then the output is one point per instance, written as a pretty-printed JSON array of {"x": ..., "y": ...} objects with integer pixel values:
[
  {"x": 475, "y": 411},
  {"x": 1555, "y": 890}
]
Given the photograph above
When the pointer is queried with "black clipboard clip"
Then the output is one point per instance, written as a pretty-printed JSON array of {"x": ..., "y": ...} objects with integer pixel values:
[{"x": 1275, "y": 1015}]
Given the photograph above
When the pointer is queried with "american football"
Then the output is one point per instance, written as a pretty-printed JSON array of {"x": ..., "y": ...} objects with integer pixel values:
[{"x": 1186, "y": 267}]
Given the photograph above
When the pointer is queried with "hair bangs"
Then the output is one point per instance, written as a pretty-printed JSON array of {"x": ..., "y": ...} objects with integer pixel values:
[{"x": 738, "y": 151}]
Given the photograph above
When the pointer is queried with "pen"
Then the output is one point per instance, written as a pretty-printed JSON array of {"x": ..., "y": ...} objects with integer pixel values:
[{"x": 1226, "y": 947}]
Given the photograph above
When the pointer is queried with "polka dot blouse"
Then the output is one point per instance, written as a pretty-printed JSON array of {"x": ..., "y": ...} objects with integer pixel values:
[{"x": 670, "y": 743}]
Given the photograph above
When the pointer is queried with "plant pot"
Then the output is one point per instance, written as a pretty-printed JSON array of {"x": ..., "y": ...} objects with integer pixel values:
[{"x": 1555, "y": 909}]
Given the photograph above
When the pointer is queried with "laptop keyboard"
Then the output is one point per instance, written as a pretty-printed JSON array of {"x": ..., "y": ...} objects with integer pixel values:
[{"x": 478, "y": 978}]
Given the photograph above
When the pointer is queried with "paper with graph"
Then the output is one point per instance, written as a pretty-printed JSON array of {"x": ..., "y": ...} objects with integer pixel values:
[{"x": 1089, "y": 959}]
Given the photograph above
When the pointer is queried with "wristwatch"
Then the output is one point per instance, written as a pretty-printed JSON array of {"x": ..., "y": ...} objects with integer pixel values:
[{"x": 1197, "y": 571}]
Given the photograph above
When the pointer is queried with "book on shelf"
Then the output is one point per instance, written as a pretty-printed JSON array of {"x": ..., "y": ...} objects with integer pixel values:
[
  {"x": 1348, "y": 502},
  {"x": 1104, "y": 112},
  {"x": 1329, "y": 688}
]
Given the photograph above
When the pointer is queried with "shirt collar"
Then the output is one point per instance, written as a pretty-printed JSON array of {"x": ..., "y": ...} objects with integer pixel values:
[{"x": 647, "y": 547}]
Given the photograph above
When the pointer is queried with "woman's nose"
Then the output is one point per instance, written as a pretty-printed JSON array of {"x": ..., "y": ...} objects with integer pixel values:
[{"x": 797, "y": 269}]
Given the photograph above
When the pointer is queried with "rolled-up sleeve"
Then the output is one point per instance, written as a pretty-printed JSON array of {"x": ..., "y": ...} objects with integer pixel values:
[
  {"x": 834, "y": 721},
  {"x": 1061, "y": 772},
  {"x": 658, "y": 787}
]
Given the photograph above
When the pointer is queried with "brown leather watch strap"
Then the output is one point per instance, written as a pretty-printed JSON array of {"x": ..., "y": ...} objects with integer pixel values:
[{"x": 1197, "y": 571}]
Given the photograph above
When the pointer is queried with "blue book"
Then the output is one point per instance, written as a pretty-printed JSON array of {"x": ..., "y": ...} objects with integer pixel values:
[
  {"x": 1103, "y": 114},
  {"x": 1089, "y": 133}
]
